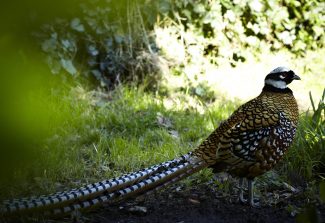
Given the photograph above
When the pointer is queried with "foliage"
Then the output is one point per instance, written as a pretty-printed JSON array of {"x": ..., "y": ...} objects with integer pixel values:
[
  {"x": 114, "y": 41},
  {"x": 307, "y": 157},
  {"x": 229, "y": 26},
  {"x": 108, "y": 41}
]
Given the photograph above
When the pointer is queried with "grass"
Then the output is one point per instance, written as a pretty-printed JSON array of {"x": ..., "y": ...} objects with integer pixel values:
[
  {"x": 67, "y": 135},
  {"x": 94, "y": 135},
  {"x": 89, "y": 136},
  {"x": 307, "y": 155}
]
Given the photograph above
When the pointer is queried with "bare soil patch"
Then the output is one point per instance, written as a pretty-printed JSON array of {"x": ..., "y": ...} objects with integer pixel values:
[{"x": 199, "y": 204}]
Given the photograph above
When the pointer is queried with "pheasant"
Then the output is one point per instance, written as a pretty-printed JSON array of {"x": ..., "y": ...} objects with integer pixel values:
[{"x": 249, "y": 143}]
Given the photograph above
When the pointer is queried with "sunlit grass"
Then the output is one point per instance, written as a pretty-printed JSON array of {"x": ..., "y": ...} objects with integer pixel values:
[
  {"x": 92, "y": 135},
  {"x": 96, "y": 135}
]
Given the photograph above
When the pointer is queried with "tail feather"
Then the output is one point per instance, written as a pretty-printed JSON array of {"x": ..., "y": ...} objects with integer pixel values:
[
  {"x": 84, "y": 193},
  {"x": 75, "y": 194},
  {"x": 156, "y": 181},
  {"x": 189, "y": 172}
]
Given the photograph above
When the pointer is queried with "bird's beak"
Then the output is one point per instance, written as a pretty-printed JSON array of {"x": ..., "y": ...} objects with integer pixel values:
[{"x": 296, "y": 77}]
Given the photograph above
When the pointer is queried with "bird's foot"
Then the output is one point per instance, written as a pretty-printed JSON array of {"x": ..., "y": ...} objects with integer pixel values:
[
  {"x": 241, "y": 191},
  {"x": 242, "y": 199},
  {"x": 250, "y": 201},
  {"x": 254, "y": 204}
]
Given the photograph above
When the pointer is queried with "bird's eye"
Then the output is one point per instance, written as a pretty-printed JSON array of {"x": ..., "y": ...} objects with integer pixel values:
[{"x": 283, "y": 75}]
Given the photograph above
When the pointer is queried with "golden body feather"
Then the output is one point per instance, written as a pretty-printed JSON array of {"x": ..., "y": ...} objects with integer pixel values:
[{"x": 255, "y": 137}]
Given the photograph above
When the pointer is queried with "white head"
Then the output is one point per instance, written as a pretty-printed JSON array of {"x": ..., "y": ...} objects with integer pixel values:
[{"x": 280, "y": 77}]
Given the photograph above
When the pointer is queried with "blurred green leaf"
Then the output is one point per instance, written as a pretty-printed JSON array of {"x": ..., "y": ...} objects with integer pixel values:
[
  {"x": 199, "y": 8},
  {"x": 49, "y": 45},
  {"x": 93, "y": 50},
  {"x": 76, "y": 25},
  {"x": 68, "y": 66},
  {"x": 97, "y": 74},
  {"x": 54, "y": 65},
  {"x": 164, "y": 6}
]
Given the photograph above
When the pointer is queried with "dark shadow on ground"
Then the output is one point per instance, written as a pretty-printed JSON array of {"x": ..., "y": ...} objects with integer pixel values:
[{"x": 199, "y": 204}]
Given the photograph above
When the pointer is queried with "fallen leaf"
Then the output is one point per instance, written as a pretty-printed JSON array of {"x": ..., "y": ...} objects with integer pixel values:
[
  {"x": 174, "y": 134},
  {"x": 291, "y": 188},
  {"x": 193, "y": 201},
  {"x": 163, "y": 121},
  {"x": 138, "y": 210}
]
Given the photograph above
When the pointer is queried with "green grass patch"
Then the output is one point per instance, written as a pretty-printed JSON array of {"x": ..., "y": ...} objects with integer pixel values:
[
  {"x": 87, "y": 136},
  {"x": 306, "y": 159},
  {"x": 93, "y": 135}
]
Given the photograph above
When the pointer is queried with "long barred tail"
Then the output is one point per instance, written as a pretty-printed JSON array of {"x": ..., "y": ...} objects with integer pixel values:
[
  {"x": 106, "y": 191},
  {"x": 156, "y": 181}
]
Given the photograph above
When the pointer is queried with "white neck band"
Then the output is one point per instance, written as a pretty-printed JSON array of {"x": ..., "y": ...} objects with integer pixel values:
[{"x": 277, "y": 84}]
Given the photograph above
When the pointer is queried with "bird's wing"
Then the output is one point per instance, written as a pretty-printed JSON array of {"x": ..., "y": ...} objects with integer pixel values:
[
  {"x": 247, "y": 121},
  {"x": 257, "y": 124},
  {"x": 255, "y": 144}
]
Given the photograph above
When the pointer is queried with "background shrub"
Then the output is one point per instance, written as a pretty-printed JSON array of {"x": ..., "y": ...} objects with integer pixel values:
[{"x": 114, "y": 41}]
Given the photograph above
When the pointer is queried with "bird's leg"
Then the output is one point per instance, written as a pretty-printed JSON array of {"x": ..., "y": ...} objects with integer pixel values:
[
  {"x": 251, "y": 193},
  {"x": 241, "y": 190}
]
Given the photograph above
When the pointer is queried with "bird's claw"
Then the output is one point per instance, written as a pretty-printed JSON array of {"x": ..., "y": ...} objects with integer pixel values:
[
  {"x": 242, "y": 199},
  {"x": 254, "y": 204}
]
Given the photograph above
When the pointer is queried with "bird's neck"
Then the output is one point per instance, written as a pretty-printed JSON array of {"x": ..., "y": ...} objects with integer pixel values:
[{"x": 270, "y": 88}]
